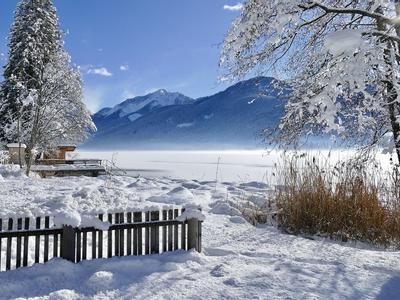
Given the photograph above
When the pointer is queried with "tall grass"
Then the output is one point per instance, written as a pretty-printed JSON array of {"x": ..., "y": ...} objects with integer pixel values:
[{"x": 347, "y": 201}]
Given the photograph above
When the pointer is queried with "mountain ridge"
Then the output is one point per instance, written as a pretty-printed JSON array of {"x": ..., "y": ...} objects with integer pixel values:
[{"x": 233, "y": 117}]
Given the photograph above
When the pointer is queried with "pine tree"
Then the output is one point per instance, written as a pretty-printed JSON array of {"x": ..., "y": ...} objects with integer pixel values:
[
  {"x": 34, "y": 36},
  {"x": 41, "y": 97}
]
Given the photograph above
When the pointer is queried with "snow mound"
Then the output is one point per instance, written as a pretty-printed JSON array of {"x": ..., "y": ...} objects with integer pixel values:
[
  {"x": 237, "y": 220},
  {"x": 68, "y": 218},
  {"x": 180, "y": 195},
  {"x": 223, "y": 208},
  {"x": 64, "y": 295},
  {"x": 191, "y": 212},
  {"x": 177, "y": 196},
  {"x": 101, "y": 280},
  {"x": 191, "y": 185},
  {"x": 11, "y": 171},
  {"x": 254, "y": 184},
  {"x": 93, "y": 221}
]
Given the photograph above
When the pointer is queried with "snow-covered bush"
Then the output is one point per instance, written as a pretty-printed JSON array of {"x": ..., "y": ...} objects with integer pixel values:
[
  {"x": 4, "y": 157},
  {"x": 8, "y": 171}
]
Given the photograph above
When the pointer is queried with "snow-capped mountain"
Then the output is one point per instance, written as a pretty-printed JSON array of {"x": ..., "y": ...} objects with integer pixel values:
[
  {"x": 232, "y": 118},
  {"x": 133, "y": 109}
]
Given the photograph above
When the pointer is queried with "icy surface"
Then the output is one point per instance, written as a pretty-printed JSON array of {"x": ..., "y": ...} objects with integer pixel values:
[{"x": 254, "y": 168}]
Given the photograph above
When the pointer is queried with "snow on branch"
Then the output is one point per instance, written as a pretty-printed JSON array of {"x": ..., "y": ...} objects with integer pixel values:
[{"x": 340, "y": 59}]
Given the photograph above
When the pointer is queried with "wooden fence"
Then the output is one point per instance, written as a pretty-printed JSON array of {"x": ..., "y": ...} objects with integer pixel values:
[{"x": 131, "y": 233}]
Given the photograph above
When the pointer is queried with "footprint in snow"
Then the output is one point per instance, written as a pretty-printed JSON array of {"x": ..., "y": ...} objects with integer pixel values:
[
  {"x": 218, "y": 271},
  {"x": 217, "y": 252},
  {"x": 232, "y": 282}
]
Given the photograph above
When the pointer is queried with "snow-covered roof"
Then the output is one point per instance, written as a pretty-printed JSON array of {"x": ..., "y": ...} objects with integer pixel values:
[{"x": 15, "y": 145}]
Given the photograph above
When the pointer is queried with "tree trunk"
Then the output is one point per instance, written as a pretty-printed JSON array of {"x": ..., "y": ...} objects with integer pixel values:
[
  {"x": 28, "y": 158},
  {"x": 19, "y": 141},
  {"x": 393, "y": 107},
  {"x": 33, "y": 140},
  {"x": 393, "y": 114}
]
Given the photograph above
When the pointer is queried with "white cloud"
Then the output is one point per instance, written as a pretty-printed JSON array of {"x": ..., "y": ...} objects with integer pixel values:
[
  {"x": 236, "y": 7},
  {"x": 124, "y": 67},
  {"x": 100, "y": 71}
]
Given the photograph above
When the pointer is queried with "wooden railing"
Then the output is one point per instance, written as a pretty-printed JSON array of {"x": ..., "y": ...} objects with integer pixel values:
[
  {"x": 130, "y": 233},
  {"x": 69, "y": 162}
]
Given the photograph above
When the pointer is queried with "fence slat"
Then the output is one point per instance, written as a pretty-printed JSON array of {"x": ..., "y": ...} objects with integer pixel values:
[
  {"x": 26, "y": 246},
  {"x": 78, "y": 246},
  {"x": 137, "y": 235},
  {"x": 200, "y": 237},
  {"x": 183, "y": 237},
  {"x": 46, "y": 240},
  {"x": 109, "y": 238},
  {"x": 183, "y": 234},
  {"x": 155, "y": 233},
  {"x": 176, "y": 230},
  {"x": 164, "y": 231},
  {"x": 194, "y": 234},
  {"x": 116, "y": 237},
  {"x": 19, "y": 245},
  {"x": 69, "y": 244},
  {"x": 37, "y": 242},
  {"x": 121, "y": 235},
  {"x": 129, "y": 235},
  {"x": 1, "y": 229},
  {"x": 147, "y": 234},
  {"x": 94, "y": 244},
  {"x": 100, "y": 248},
  {"x": 9, "y": 241},
  {"x": 55, "y": 245},
  {"x": 84, "y": 248},
  {"x": 170, "y": 217}
]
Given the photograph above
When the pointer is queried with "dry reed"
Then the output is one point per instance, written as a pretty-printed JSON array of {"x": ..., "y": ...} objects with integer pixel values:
[{"x": 348, "y": 201}]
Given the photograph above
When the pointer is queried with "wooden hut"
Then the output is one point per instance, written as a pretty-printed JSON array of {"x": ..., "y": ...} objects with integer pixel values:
[
  {"x": 16, "y": 152},
  {"x": 60, "y": 153}
]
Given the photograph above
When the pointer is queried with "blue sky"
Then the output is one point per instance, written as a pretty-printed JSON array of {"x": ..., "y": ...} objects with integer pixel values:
[{"x": 127, "y": 48}]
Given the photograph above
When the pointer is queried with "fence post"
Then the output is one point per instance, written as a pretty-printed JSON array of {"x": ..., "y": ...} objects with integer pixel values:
[
  {"x": 68, "y": 244},
  {"x": 194, "y": 234}
]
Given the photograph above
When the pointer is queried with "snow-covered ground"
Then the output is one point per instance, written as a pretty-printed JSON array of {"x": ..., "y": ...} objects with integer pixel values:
[{"x": 239, "y": 261}]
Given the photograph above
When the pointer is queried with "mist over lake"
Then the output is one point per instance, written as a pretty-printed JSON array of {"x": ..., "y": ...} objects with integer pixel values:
[{"x": 233, "y": 165}]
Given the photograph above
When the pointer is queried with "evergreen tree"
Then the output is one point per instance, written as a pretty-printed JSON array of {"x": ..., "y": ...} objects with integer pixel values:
[
  {"x": 41, "y": 97},
  {"x": 34, "y": 36}
]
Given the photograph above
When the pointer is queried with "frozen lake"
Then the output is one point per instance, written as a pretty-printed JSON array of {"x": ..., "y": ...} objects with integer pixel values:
[
  {"x": 238, "y": 166},
  {"x": 200, "y": 165}
]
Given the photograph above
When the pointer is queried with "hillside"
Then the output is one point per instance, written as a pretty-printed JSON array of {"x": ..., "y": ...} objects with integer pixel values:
[{"x": 231, "y": 118}]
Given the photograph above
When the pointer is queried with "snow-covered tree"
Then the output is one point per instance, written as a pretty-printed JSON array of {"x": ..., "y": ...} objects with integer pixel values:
[
  {"x": 41, "y": 101},
  {"x": 59, "y": 115},
  {"x": 34, "y": 36},
  {"x": 340, "y": 58}
]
